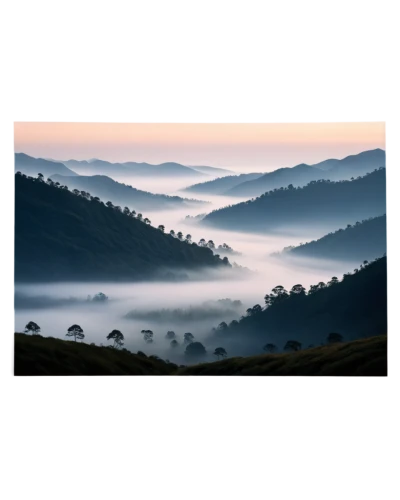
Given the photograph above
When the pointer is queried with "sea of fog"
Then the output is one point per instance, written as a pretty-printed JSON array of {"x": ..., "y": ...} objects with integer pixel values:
[{"x": 194, "y": 306}]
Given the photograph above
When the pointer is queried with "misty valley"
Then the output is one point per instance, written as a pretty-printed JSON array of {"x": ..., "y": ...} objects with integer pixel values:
[{"x": 133, "y": 268}]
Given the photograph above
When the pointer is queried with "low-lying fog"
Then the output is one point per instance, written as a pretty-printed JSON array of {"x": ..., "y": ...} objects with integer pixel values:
[{"x": 194, "y": 306}]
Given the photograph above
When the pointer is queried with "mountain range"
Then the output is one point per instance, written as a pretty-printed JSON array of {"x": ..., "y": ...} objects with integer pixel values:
[
  {"x": 300, "y": 175},
  {"x": 32, "y": 166},
  {"x": 320, "y": 204},
  {"x": 222, "y": 184},
  {"x": 130, "y": 168},
  {"x": 122, "y": 194},
  {"x": 249, "y": 185}
]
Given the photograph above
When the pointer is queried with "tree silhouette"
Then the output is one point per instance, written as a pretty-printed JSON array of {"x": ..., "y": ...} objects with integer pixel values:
[
  {"x": 32, "y": 327},
  {"x": 174, "y": 343},
  {"x": 292, "y": 345},
  {"x": 109, "y": 204},
  {"x": 179, "y": 235},
  {"x": 76, "y": 332},
  {"x": 172, "y": 233},
  {"x": 195, "y": 350},
  {"x": 188, "y": 338},
  {"x": 126, "y": 211},
  {"x": 211, "y": 244},
  {"x": 40, "y": 177},
  {"x": 220, "y": 352},
  {"x": 118, "y": 338},
  {"x": 298, "y": 290},
  {"x": 139, "y": 217},
  {"x": 333, "y": 338},
  {"x": 277, "y": 294},
  {"x": 161, "y": 227},
  {"x": 202, "y": 242},
  {"x": 147, "y": 221},
  {"x": 147, "y": 336},
  {"x": 188, "y": 238},
  {"x": 222, "y": 326},
  {"x": 170, "y": 335},
  {"x": 271, "y": 348},
  {"x": 133, "y": 213}
]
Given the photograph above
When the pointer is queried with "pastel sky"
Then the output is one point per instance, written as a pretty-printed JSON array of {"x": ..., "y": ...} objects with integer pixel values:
[{"x": 242, "y": 147}]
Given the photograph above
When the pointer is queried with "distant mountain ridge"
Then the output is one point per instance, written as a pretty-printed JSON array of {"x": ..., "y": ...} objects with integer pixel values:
[
  {"x": 121, "y": 194},
  {"x": 300, "y": 175},
  {"x": 222, "y": 184},
  {"x": 212, "y": 170},
  {"x": 32, "y": 166},
  {"x": 168, "y": 169},
  {"x": 321, "y": 203}
]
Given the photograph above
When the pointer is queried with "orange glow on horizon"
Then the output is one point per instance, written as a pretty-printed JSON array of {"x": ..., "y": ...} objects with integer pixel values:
[{"x": 230, "y": 145}]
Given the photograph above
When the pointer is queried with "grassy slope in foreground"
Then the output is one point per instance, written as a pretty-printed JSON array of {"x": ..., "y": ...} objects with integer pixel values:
[
  {"x": 37, "y": 355},
  {"x": 61, "y": 236},
  {"x": 367, "y": 357}
]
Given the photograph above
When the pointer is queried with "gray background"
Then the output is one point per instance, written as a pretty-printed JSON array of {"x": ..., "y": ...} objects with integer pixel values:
[{"x": 215, "y": 443}]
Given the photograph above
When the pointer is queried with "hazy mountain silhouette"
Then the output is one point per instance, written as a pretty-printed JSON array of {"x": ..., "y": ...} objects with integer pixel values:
[
  {"x": 354, "y": 307},
  {"x": 121, "y": 194},
  {"x": 356, "y": 165},
  {"x": 62, "y": 236},
  {"x": 32, "y": 166},
  {"x": 300, "y": 175},
  {"x": 364, "y": 240},
  {"x": 222, "y": 184},
  {"x": 321, "y": 203},
  {"x": 212, "y": 170},
  {"x": 130, "y": 168}
]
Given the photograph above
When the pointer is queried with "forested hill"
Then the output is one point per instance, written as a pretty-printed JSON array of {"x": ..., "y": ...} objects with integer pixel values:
[
  {"x": 364, "y": 240},
  {"x": 320, "y": 204},
  {"x": 62, "y": 236},
  {"x": 354, "y": 307},
  {"x": 121, "y": 194},
  {"x": 300, "y": 175}
]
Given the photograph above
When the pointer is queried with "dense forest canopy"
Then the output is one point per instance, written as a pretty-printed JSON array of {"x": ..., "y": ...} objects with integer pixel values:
[{"x": 63, "y": 235}]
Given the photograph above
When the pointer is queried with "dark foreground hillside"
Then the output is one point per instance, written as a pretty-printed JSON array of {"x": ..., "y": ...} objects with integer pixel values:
[
  {"x": 358, "y": 358},
  {"x": 37, "y": 355},
  {"x": 62, "y": 236}
]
